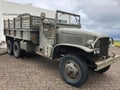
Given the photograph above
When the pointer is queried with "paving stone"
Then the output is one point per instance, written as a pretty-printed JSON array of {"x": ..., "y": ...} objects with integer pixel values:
[
  {"x": 38, "y": 73},
  {"x": 3, "y": 51}
]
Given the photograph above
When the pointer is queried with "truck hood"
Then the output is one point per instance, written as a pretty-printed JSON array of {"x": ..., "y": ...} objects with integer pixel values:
[
  {"x": 78, "y": 36},
  {"x": 80, "y": 32}
]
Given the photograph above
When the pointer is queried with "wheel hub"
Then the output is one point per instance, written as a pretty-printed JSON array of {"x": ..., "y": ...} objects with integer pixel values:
[{"x": 72, "y": 70}]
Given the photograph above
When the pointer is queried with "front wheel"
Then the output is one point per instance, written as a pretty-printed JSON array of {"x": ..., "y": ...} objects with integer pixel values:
[{"x": 73, "y": 70}]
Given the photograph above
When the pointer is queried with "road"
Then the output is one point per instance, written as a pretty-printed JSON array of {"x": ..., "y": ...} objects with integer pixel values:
[{"x": 38, "y": 73}]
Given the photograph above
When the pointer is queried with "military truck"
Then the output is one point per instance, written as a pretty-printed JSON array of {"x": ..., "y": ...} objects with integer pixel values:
[{"x": 60, "y": 38}]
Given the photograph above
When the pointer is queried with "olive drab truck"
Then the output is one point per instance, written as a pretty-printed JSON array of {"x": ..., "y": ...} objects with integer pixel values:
[{"x": 60, "y": 38}]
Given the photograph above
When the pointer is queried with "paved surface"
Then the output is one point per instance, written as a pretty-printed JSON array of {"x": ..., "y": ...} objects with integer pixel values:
[
  {"x": 3, "y": 51},
  {"x": 38, "y": 73}
]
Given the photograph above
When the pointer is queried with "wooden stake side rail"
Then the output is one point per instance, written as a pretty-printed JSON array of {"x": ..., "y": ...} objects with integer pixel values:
[
  {"x": 23, "y": 34},
  {"x": 24, "y": 21}
]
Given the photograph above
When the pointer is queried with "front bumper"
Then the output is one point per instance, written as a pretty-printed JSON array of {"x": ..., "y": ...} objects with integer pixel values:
[{"x": 104, "y": 63}]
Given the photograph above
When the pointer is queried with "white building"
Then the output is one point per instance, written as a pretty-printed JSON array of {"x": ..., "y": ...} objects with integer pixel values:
[{"x": 11, "y": 10}]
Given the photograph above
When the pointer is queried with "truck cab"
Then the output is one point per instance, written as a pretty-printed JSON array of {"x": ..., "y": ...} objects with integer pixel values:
[{"x": 63, "y": 38}]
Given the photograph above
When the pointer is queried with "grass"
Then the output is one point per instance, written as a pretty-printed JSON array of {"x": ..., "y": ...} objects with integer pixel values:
[{"x": 117, "y": 43}]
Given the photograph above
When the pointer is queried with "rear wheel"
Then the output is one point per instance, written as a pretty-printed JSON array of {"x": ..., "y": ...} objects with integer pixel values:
[
  {"x": 10, "y": 47},
  {"x": 73, "y": 70},
  {"x": 16, "y": 49}
]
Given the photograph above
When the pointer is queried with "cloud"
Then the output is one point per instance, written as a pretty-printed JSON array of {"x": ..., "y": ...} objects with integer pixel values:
[{"x": 97, "y": 15}]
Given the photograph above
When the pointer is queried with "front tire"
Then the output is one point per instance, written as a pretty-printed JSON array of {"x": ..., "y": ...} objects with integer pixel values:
[
  {"x": 16, "y": 49},
  {"x": 73, "y": 70}
]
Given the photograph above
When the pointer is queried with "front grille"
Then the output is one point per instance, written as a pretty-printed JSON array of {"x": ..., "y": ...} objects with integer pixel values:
[{"x": 104, "y": 45}]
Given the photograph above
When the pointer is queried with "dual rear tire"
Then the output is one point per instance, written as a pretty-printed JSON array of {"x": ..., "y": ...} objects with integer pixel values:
[
  {"x": 14, "y": 48},
  {"x": 10, "y": 47}
]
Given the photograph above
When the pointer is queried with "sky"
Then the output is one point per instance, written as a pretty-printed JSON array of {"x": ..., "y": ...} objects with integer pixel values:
[{"x": 102, "y": 16}]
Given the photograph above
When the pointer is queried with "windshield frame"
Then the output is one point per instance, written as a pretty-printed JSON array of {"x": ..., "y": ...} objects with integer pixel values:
[{"x": 70, "y": 14}]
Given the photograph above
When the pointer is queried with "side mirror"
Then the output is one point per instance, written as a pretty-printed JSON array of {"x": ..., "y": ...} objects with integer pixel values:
[{"x": 43, "y": 15}]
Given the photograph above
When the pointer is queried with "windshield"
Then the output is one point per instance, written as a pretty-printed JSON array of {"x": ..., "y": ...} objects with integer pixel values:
[{"x": 67, "y": 18}]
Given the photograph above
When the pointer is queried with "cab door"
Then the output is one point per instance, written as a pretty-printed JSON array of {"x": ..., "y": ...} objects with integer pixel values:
[{"x": 47, "y": 37}]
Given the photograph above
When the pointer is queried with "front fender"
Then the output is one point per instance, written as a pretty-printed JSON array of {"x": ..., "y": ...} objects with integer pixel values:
[{"x": 87, "y": 50}]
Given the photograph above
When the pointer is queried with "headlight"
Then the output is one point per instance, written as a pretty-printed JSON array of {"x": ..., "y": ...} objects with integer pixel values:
[{"x": 90, "y": 42}]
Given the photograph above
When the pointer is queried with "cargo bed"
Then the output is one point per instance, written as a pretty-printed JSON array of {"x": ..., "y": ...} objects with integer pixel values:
[
  {"x": 25, "y": 27},
  {"x": 24, "y": 34}
]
